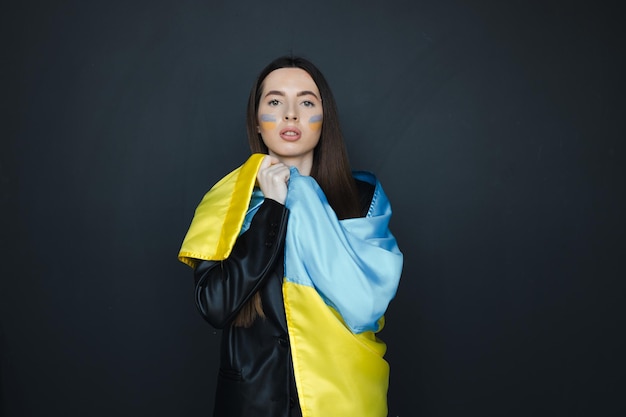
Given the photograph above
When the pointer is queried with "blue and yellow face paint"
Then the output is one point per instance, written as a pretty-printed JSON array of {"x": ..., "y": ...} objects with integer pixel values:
[
  {"x": 315, "y": 122},
  {"x": 267, "y": 121}
]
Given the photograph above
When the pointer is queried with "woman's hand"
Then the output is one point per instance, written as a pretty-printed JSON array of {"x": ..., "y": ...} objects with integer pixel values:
[{"x": 272, "y": 178}]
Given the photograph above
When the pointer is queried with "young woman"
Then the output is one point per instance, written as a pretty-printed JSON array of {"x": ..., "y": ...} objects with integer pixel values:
[{"x": 294, "y": 260}]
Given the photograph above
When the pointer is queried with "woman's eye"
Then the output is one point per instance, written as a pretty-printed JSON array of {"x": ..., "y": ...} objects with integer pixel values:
[
  {"x": 308, "y": 104},
  {"x": 273, "y": 102}
]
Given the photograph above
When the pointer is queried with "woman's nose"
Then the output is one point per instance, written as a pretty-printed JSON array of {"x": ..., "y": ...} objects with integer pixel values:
[{"x": 291, "y": 113}]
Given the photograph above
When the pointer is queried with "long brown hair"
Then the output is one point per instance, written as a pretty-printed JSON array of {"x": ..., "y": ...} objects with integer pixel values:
[{"x": 331, "y": 168}]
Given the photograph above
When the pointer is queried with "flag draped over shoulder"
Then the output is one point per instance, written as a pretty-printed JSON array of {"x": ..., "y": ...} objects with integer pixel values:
[
  {"x": 220, "y": 215},
  {"x": 340, "y": 276}
]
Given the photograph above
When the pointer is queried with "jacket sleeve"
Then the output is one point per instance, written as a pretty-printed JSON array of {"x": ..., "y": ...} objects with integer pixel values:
[{"x": 223, "y": 287}]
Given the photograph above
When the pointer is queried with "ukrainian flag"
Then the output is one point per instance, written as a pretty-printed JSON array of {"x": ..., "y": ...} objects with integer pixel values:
[{"x": 340, "y": 277}]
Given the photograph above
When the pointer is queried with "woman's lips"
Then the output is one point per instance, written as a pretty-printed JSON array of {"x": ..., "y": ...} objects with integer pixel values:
[{"x": 290, "y": 134}]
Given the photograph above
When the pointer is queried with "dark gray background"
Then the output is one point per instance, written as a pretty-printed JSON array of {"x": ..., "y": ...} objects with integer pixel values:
[{"x": 495, "y": 127}]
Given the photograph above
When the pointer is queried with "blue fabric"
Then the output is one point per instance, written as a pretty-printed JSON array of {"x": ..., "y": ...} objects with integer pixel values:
[
  {"x": 255, "y": 202},
  {"x": 354, "y": 264}
]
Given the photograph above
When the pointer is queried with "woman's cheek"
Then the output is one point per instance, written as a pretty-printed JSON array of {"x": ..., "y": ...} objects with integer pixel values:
[
  {"x": 267, "y": 121},
  {"x": 315, "y": 122}
]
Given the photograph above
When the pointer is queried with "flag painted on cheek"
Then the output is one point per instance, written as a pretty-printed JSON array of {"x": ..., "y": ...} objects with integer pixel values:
[
  {"x": 316, "y": 122},
  {"x": 268, "y": 121}
]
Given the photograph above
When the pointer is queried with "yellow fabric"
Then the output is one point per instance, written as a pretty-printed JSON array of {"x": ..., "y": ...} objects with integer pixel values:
[
  {"x": 220, "y": 215},
  {"x": 338, "y": 373}
]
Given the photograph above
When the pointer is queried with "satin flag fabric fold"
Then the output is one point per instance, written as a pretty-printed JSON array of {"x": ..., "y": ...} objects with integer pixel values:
[
  {"x": 339, "y": 279},
  {"x": 354, "y": 264},
  {"x": 340, "y": 276},
  {"x": 220, "y": 215}
]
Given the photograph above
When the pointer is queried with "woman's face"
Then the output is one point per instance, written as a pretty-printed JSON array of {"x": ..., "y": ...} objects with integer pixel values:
[{"x": 290, "y": 116}]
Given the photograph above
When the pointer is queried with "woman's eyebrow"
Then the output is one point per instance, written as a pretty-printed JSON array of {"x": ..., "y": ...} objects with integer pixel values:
[
  {"x": 307, "y": 93},
  {"x": 275, "y": 93}
]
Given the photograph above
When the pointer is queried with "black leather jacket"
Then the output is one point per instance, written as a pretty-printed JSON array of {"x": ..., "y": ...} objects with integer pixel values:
[{"x": 256, "y": 374}]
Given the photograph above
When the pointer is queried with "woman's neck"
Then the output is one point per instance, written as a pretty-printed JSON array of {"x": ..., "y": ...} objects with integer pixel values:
[{"x": 304, "y": 164}]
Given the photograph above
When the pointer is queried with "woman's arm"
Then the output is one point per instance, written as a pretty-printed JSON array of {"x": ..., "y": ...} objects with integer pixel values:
[{"x": 223, "y": 287}]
